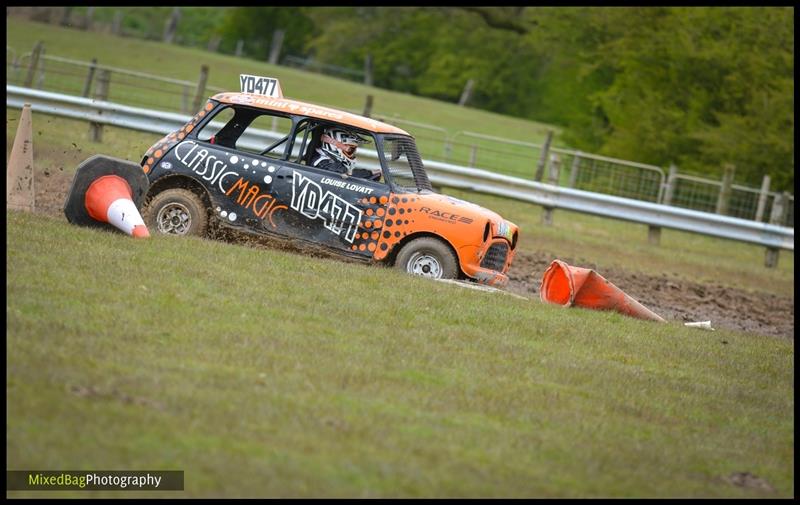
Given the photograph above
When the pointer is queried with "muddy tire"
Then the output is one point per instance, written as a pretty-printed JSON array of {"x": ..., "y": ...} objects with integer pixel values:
[
  {"x": 428, "y": 257},
  {"x": 176, "y": 212}
]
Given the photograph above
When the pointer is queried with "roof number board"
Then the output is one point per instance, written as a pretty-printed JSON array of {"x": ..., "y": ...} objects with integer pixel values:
[{"x": 267, "y": 86}]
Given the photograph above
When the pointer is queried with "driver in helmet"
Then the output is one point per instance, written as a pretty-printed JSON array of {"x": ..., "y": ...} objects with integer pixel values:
[{"x": 338, "y": 153}]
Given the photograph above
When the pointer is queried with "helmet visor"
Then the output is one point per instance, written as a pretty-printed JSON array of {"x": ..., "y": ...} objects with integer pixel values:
[{"x": 348, "y": 149}]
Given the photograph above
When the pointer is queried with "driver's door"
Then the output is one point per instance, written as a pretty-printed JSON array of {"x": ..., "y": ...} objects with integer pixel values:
[{"x": 335, "y": 210}]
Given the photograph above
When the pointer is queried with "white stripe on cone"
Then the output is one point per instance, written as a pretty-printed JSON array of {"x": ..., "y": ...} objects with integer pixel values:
[{"x": 123, "y": 214}]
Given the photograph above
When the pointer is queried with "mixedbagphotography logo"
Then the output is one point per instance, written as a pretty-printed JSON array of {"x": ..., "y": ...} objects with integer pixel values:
[{"x": 84, "y": 480}]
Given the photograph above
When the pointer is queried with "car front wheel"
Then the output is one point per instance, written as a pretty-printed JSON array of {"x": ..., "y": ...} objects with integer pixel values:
[
  {"x": 428, "y": 257},
  {"x": 176, "y": 212}
]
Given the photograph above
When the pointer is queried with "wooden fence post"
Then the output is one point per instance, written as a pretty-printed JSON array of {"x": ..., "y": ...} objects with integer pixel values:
[
  {"x": 101, "y": 93},
  {"x": 213, "y": 43},
  {"x": 543, "y": 157},
  {"x": 465, "y": 95},
  {"x": 172, "y": 25},
  {"x": 654, "y": 232},
  {"x": 368, "y": 70},
  {"x": 275, "y": 47},
  {"x": 42, "y": 64},
  {"x": 65, "y": 16},
  {"x": 762, "y": 198},
  {"x": 654, "y": 235},
  {"x": 116, "y": 25},
  {"x": 555, "y": 169},
  {"x": 724, "y": 199},
  {"x": 87, "y": 20},
  {"x": 573, "y": 173},
  {"x": 89, "y": 77},
  {"x": 201, "y": 88},
  {"x": 473, "y": 156},
  {"x": 669, "y": 191},
  {"x": 777, "y": 216},
  {"x": 37, "y": 50},
  {"x": 552, "y": 178},
  {"x": 367, "y": 106}
]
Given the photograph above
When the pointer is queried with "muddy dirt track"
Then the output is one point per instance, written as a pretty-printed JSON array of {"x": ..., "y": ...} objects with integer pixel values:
[{"x": 672, "y": 298}]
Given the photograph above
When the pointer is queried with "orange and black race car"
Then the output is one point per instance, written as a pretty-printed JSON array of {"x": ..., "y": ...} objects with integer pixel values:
[{"x": 265, "y": 164}]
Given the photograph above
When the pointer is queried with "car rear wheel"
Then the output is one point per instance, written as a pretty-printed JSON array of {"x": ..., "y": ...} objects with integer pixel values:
[
  {"x": 428, "y": 257},
  {"x": 176, "y": 212}
]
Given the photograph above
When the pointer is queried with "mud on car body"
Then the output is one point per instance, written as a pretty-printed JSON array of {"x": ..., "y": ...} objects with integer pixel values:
[{"x": 244, "y": 160}]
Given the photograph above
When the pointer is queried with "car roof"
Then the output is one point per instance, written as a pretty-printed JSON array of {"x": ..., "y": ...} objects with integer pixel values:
[{"x": 287, "y": 105}]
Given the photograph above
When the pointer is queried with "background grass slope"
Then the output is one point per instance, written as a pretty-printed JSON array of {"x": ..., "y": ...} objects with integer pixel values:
[
  {"x": 180, "y": 62},
  {"x": 266, "y": 373}
]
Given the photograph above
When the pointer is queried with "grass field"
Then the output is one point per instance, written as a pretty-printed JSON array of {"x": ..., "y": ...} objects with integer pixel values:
[{"x": 266, "y": 373}]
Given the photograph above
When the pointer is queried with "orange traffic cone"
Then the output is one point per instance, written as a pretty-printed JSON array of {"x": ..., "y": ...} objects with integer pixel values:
[
  {"x": 109, "y": 199},
  {"x": 108, "y": 191},
  {"x": 570, "y": 286}
]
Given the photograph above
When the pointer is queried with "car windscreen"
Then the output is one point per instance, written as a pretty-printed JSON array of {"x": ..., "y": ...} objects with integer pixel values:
[{"x": 404, "y": 164}]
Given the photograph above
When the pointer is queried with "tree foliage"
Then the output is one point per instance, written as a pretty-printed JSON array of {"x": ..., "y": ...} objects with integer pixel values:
[
  {"x": 255, "y": 27},
  {"x": 701, "y": 88},
  {"x": 696, "y": 86}
]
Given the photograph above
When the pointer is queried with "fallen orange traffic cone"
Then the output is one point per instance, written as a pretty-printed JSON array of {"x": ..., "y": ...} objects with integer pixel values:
[
  {"x": 570, "y": 286},
  {"x": 109, "y": 199},
  {"x": 105, "y": 191}
]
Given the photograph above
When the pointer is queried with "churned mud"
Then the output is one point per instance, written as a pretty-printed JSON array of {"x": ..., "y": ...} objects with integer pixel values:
[
  {"x": 670, "y": 297},
  {"x": 673, "y": 298}
]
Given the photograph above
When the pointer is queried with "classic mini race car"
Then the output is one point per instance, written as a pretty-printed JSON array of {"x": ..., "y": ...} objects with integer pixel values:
[{"x": 250, "y": 161}]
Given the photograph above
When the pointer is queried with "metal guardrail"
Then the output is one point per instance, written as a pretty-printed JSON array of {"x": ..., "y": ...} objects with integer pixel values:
[
  {"x": 599, "y": 204},
  {"x": 440, "y": 173}
]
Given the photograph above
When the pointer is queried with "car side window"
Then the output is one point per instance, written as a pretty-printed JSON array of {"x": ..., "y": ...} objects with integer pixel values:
[
  {"x": 210, "y": 131},
  {"x": 266, "y": 135},
  {"x": 308, "y": 142},
  {"x": 248, "y": 130}
]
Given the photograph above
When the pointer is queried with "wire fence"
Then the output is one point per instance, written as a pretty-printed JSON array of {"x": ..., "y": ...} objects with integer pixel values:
[
  {"x": 516, "y": 158},
  {"x": 74, "y": 77},
  {"x": 698, "y": 193},
  {"x": 564, "y": 167}
]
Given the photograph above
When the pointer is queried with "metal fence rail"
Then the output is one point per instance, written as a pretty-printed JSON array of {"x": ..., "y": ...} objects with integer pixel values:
[{"x": 548, "y": 195}]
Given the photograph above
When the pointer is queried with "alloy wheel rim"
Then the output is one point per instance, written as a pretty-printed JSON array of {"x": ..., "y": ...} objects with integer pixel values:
[
  {"x": 174, "y": 219},
  {"x": 425, "y": 265}
]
